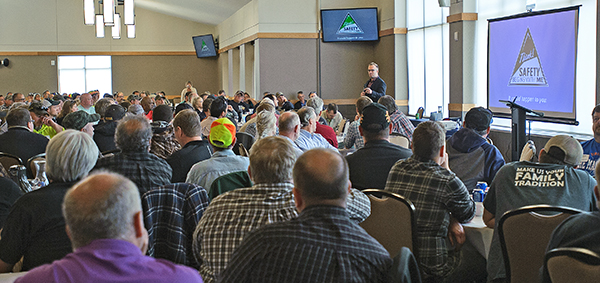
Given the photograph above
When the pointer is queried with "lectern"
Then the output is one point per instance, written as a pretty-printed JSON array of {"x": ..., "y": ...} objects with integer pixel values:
[{"x": 518, "y": 115}]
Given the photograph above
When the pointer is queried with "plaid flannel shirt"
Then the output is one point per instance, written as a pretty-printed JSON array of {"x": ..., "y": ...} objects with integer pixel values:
[{"x": 401, "y": 124}]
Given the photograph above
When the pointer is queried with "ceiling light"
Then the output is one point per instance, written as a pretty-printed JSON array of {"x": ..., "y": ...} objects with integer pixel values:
[{"x": 99, "y": 26}]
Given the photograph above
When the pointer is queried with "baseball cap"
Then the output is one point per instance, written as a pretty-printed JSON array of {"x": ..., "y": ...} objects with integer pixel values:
[
  {"x": 133, "y": 97},
  {"x": 48, "y": 102},
  {"x": 38, "y": 108},
  {"x": 478, "y": 118},
  {"x": 375, "y": 118},
  {"x": 222, "y": 133},
  {"x": 77, "y": 120},
  {"x": 571, "y": 148},
  {"x": 114, "y": 113}
]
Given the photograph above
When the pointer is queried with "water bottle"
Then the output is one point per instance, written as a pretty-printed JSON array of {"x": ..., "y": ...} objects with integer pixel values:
[
  {"x": 478, "y": 196},
  {"x": 40, "y": 179}
]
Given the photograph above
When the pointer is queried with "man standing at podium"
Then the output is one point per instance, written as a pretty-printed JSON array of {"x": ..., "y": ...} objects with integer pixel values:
[
  {"x": 591, "y": 148},
  {"x": 375, "y": 87}
]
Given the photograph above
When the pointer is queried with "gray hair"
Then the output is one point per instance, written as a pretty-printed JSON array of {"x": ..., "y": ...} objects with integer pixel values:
[
  {"x": 316, "y": 103},
  {"x": 272, "y": 160},
  {"x": 107, "y": 214},
  {"x": 265, "y": 124},
  {"x": 70, "y": 155},
  {"x": 18, "y": 117},
  {"x": 135, "y": 109},
  {"x": 306, "y": 113},
  {"x": 133, "y": 134},
  {"x": 102, "y": 104},
  {"x": 287, "y": 122}
]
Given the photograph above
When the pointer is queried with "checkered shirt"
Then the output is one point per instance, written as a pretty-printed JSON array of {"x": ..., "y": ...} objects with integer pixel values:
[
  {"x": 171, "y": 214},
  {"x": 321, "y": 245},
  {"x": 435, "y": 192},
  {"x": 230, "y": 216},
  {"x": 401, "y": 124},
  {"x": 353, "y": 137},
  {"x": 146, "y": 170}
]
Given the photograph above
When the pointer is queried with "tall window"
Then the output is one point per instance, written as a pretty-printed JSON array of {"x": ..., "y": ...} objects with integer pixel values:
[
  {"x": 428, "y": 49},
  {"x": 84, "y": 73}
]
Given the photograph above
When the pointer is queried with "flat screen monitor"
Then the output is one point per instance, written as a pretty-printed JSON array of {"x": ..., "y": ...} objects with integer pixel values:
[
  {"x": 341, "y": 25},
  {"x": 532, "y": 60},
  {"x": 205, "y": 46}
]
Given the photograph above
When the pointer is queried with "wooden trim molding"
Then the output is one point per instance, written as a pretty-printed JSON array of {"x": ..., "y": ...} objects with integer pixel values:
[
  {"x": 113, "y": 53},
  {"x": 302, "y": 35},
  {"x": 392, "y": 31},
  {"x": 461, "y": 17},
  {"x": 352, "y": 101},
  {"x": 460, "y": 107}
]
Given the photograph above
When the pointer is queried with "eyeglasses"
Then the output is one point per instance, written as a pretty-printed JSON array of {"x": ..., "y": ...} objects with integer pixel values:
[{"x": 371, "y": 70}]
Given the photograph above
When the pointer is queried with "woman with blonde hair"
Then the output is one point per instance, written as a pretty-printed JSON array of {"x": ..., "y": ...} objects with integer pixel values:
[{"x": 266, "y": 124}]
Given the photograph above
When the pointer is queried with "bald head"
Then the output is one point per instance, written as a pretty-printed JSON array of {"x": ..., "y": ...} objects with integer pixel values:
[
  {"x": 321, "y": 176},
  {"x": 288, "y": 122},
  {"x": 86, "y": 100},
  {"x": 102, "y": 206}
]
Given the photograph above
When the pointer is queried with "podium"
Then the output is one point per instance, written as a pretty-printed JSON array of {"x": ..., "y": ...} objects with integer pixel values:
[{"x": 518, "y": 115}]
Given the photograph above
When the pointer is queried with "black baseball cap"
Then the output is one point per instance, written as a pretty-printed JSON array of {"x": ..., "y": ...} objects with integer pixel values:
[{"x": 478, "y": 118}]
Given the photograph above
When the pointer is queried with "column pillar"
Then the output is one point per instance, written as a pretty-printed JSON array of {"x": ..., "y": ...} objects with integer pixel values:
[
  {"x": 229, "y": 71},
  {"x": 400, "y": 57},
  {"x": 256, "y": 81},
  {"x": 242, "y": 67},
  {"x": 462, "y": 20}
]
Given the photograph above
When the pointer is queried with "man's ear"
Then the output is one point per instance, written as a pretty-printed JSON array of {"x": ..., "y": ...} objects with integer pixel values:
[
  {"x": 298, "y": 199},
  {"x": 138, "y": 224},
  {"x": 442, "y": 151},
  {"x": 249, "y": 172},
  {"x": 597, "y": 193},
  {"x": 360, "y": 130},
  {"x": 68, "y": 231},
  {"x": 390, "y": 128}
]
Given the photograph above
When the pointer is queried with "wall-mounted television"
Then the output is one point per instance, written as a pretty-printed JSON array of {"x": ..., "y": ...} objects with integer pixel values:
[
  {"x": 343, "y": 25},
  {"x": 205, "y": 46},
  {"x": 532, "y": 58}
]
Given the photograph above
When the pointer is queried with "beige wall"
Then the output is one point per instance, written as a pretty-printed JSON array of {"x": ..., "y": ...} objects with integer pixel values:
[
  {"x": 166, "y": 73},
  {"x": 57, "y": 25},
  {"x": 27, "y": 74}
]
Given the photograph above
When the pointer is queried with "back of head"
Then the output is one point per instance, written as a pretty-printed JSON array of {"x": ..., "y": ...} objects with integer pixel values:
[
  {"x": 288, "y": 121},
  {"x": 272, "y": 160},
  {"x": 596, "y": 109},
  {"x": 102, "y": 206},
  {"x": 222, "y": 134},
  {"x": 189, "y": 122},
  {"x": 265, "y": 124},
  {"x": 305, "y": 114},
  {"x": 316, "y": 103},
  {"x": 389, "y": 103},
  {"x": 264, "y": 105},
  {"x": 206, "y": 104},
  {"x": 18, "y": 117},
  {"x": 428, "y": 139},
  {"x": 135, "y": 109},
  {"x": 114, "y": 113},
  {"x": 79, "y": 119},
  {"x": 478, "y": 119},
  {"x": 133, "y": 134},
  {"x": 375, "y": 122},
  {"x": 102, "y": 104},
  {"x": 70, "y": 155},
  {"x": 362, "y": 102},
  {"x": 332, "y": 107},
  {"x": 562, "y": 149},
  {"x": 321, "y": 174},
  {"x": 162, "y": 113},
  {"x": 218, "y": 106}
]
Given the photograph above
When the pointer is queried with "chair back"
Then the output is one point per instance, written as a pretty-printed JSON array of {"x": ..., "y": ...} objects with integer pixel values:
[
  {"x": 8, "y": 160},
  {"x": 524, "y": 234},
  {"x": 341, "y": 127},
  {"x": 247, "y": 140},
  {"x": 567, "y": 265},
  {"x": 229, "y": 182},
  {"x": 171, "y": 214},
  {"x": 392, "y": 221},
  {"x": 400, "y": 139},
  {"x": 31, "y": 161}
]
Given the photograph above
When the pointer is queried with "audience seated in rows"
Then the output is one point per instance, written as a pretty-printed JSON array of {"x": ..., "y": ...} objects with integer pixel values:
[
  {"x": 223, "y": 161},
  {"x": 81, "y": 121},
  {"x": 86, "y": 103},
  {"x": 441, "y": 203},
  {"x": 266, "y": 124},
  {"x": 232, "y": 215},
  {"x": 301, "y": 101},
  {"x": 591, "y": 147},
  {"x": 218, "y": 109},
  {"x": 308, "y": 138},
  {"x": 148, "y": 105},
  {"x": 400, "y": 123},
  {"x": 238, "y": 105},
  {"x": 20, "y": 140},
  {"x": 104, "y": 132},
  {"x": 332, "y": 117},
  {"x": 186, "y": 103},
  {"x": 340, "y": 250},
  {"x": 321, "y": 127},
  {"x": 283, "y": 102},
  {"x": 104, "y": 221},
  {"x": 353, "y": 136},
  {"x": 135, "y": 162},
  {"x": 553, "y": 181},
  {"x": 370, "y": 165},
  {"x": 250, "y": 125},
  {"x": 35, "y": 227},
  {"x": 163, "y": 139},
  {"x": 471, "y": 157},
  {"x": 42, "y": 122},
  {"x": 194, "y": 149}
]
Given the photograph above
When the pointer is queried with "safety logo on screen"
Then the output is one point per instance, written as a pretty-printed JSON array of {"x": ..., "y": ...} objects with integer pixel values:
[
  {"x": 349, "y": 26},
  {"x": 528, "y": 68},
  {"x": 204, "y": 47}
]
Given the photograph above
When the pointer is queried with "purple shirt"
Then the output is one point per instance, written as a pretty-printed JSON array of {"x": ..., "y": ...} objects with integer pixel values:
[{"x": 110, "y": 260}]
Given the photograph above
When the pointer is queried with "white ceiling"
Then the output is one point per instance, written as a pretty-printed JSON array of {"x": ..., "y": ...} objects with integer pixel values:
[{"x": 203, "y": 11}]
